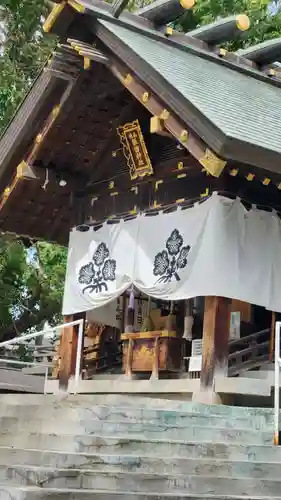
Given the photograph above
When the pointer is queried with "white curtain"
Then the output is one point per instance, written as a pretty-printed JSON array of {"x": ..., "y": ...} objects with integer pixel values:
[{"x": 214, "y": 248}]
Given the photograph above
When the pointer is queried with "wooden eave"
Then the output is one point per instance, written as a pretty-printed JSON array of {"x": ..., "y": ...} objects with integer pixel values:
[{"x": 223, "y": 145}]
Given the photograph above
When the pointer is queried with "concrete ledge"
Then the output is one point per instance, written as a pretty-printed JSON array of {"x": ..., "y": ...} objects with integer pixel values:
[
  {"x": 187, "y": 387},
  {"x": 16, "y": 381},
  {"x": 241, "y": 385}
]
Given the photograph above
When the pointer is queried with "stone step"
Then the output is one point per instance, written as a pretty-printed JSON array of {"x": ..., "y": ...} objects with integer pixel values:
[
  {"x": 140, "y": 446},
  {"x": 18, "y": 413},
  {"x": 138, "y": 463},
  {"x": 35, "y": 493},
  {"x": 137, "y": 482},
  {"x": 134, "y": 429},
  {"x": 89, "y": 401}
]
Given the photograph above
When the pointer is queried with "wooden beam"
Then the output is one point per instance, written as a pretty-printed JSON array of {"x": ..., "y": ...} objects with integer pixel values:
[
  {"x": 215, "y": 341},
  {"x": 161, "y": 12},
  {"x": 222, "y": 30},
  {"x": 118, "y": 6},
  {"x": 68, "y": 350}
]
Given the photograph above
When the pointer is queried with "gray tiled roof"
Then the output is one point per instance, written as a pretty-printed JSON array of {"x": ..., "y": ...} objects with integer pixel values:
[{"x": 241, "y": 106}]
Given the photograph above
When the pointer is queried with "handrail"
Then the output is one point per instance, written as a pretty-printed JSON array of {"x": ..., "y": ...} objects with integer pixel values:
[
  {"x": 42, "y": 333},
  {"x": 250, "y": 337},
  {"x": 277, "y": 364}
]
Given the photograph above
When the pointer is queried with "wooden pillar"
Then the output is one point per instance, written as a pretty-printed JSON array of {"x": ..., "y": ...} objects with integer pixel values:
[
  {"x": 68, "y": 350},
  {"x": 215, "y": 341}
]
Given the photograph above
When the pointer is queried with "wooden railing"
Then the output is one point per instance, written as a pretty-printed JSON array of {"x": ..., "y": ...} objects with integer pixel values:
[{"x": 248, "y": 352}]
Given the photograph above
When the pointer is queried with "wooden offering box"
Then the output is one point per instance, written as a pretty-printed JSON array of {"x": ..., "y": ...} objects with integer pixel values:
[{"x": 151, "y": 352}]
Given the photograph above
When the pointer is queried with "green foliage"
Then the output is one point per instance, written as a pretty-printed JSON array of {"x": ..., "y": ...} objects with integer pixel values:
[
  {"x": 31, "y": 285},
  {"x": 24, "y": 51},
  {"x": 264, "y": 24}
]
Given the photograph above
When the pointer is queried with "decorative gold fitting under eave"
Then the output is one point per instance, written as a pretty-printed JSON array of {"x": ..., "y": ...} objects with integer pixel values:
[
  {"x": 155, "y": 125},
  {"x": 211, "y": 162},
  {"x": 183, "y": 136},
  {"x": 128, "y": 79},
  {"x": 164, "y": 115},
  {"x": 111, "y": 185},
  {"x": 157, "y": 184},
  {"x": 180, "y": 165},
  {"x": 233, "y": 172},
  {"x": 145, "y": 97},
  {"x": 55, "y": 111},
  {"x": 39, "y": 138},
  {"x": 7, "y": 192},
  {"x": 156, "y": 205},
  {"x": 181, "y": 176},
  {"x": 51, "y": 19},
  {"x": 180, "y": 200},
  {"x": 169, "y": 31},
  {"x": 279, "y": 186},
  {"x": 266, "y": 181},
  {"x": 20, "y": 170},
  {"x": 222, "y": 52},
  {"x": 134, "y": 211},
  {"x": 250, "y": 177},
  {"x": 271, "y": 72},
  {"x": 87, "y": 63},
  {"x": 206, "y": 193},
  {"x": 77, "y": 6}
]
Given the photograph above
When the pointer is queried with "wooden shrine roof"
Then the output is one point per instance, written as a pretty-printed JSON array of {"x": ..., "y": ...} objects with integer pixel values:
[{"x": 215, "y": 110}]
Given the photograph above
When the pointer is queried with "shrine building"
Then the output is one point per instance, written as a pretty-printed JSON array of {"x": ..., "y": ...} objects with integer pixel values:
[{"x": 155, "y": 156}]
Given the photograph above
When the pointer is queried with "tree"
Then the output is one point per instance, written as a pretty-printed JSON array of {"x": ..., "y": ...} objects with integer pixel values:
[
  {"x": 264, "y": 15},
  {"x": 24, "y": 51},
  {"x": 31, "y": 276},
  {"x": 31, "y": 285}
]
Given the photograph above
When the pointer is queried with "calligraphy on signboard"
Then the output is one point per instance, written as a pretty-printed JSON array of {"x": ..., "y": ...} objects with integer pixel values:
[{"x": 134, "y": 149}]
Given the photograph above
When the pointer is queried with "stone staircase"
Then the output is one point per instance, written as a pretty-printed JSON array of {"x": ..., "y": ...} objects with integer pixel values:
[{"x": 124, "y": 448}]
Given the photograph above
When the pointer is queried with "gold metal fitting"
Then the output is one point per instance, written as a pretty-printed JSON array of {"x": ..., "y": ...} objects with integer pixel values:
[
  {"x": 157, "y": 184},
  {"x": 77, "y": 6},
  {"x": 250, "y": 177},
  {"x": 180, "y": 165},
  {"x": 56, "y": 111},
  {"x": 164, "y": 115},
  {"x": 183, "y": 136},
  {"x": 181, "y": 176},
  {"x": 145, "y": 97},
  {"x": 233, "y": 172},
  {"x": 206, "y": 193},
  {"x": 187, "y": 4},
  {"x": 266, "y": 181},
  {"x": 39, "y": 138},
  {"x": 222, "y": 52},
  {"x": 87, "y": 63},
  {"x": 169, "y": 31},
  {"x": 111, "y": 185},
  {"x": 51, "y": 19},
  {"x": 128, "y": 79},
  {"x": 243, "y": 22}
]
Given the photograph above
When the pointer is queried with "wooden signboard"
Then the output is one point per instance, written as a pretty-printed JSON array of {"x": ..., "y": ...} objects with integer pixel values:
[{"x": 134, "y": 150}]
